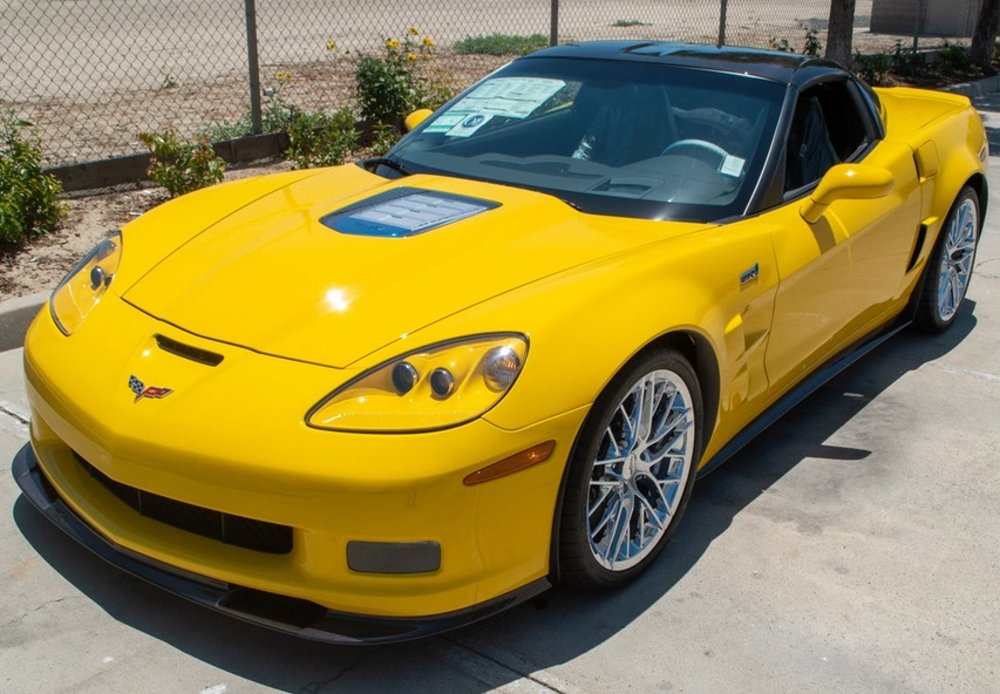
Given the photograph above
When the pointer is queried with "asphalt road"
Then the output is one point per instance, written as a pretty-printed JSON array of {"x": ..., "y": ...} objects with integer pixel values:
[{"x": 854, "y": 547}]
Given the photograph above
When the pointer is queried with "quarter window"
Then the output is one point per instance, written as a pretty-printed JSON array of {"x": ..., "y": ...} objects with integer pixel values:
[{"x": 827, "y": 129}]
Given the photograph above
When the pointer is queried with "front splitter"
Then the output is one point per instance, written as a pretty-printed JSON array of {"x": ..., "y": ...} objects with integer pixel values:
[{"x": 289, "y": 615}]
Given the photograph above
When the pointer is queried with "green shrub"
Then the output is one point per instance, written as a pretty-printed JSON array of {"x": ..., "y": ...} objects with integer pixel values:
[
  {"x": 811, "y": 45},
  {"x": 181, "y": 166},
  {"x": 952, "y": 58},
  {"x": 387, "y": 89},
  {"x": 395, "y": 83},
  {"x": 627, "y": 23},
  {"x": 503, "y": 44},
  {"x": 384, "y": 136},
  {"x": 28, "y": 203},
  {"x": 780, "y": 45},
  {"x": 320, "y": 139},
  {"x": 873, "y": 69},
  {"x": 276, "y": 114}
]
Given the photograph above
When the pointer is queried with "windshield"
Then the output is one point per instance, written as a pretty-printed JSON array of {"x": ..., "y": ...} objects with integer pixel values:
[{"x": 624, "y": 138}]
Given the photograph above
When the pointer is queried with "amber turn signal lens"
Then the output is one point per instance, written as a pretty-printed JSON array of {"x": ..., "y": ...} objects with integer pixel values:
[{"x": 515, "y": 463}]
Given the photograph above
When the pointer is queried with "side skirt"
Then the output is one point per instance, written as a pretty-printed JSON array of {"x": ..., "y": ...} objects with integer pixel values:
[{"x": 800, "y": 392}]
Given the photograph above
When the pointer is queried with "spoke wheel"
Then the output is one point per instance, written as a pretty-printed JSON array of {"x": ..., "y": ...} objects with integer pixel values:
[
  {"x": 631, "y": 473},
  {"x": 950, "y": 267}
]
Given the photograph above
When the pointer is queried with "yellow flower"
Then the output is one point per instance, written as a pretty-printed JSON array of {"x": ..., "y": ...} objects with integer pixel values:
[
  {"x": 392, "y": 44},
  {"x": 428, "y": 41},
  {"x": 283, "y": 76},
  {"x": 414, "y": 31},
  {"x": 331, "y": 45},
  {"x": 411, "y": 57}
]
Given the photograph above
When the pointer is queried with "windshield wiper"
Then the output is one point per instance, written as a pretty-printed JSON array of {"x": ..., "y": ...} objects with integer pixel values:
[{"x": 375, "y": 162}]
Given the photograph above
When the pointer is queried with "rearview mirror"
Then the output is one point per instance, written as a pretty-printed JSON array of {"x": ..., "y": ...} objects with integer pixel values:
[
  {"x": 846, "y": 182},
  {"x": 416, "y": 118}
]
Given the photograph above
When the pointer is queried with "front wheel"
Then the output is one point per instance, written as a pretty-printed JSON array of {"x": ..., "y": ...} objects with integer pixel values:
[
  {"x": 949, "y": 268},
  {"x": 631, "y": 473}
]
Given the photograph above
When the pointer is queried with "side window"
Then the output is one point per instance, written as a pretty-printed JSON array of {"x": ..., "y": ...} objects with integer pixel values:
[{"x": 826, "y": 129}]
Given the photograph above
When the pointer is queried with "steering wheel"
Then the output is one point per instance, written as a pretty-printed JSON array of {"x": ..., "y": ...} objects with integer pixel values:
[{"x": 703, "y": 145}]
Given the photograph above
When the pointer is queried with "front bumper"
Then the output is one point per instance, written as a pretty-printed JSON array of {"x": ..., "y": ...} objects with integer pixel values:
[
  {"x": 231, "y": 440},
  {"x": 290, "y": 615}
]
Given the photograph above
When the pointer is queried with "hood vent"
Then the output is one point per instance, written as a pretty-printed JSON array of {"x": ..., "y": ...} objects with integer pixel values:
[{"x": 405, "y": 212}]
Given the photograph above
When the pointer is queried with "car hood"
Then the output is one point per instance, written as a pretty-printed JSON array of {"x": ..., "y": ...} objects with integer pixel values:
[{"x": 275, "y": 277}]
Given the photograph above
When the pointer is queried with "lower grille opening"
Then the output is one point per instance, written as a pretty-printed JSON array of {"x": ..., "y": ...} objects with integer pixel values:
[{"x": 259, "y": 536}]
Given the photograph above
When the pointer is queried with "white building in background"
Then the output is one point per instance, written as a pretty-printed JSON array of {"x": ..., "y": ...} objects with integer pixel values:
[{"x": 936, "y": 17}]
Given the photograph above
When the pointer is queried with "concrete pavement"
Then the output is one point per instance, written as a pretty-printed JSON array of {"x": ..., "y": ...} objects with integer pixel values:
[{"x": 853, "y": 547}]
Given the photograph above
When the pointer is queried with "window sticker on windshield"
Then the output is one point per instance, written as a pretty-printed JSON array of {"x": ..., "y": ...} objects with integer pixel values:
[
  {"x": 513, "y": 97},
  {"x": 732, "y": 166},
  {"x": 445, "y": 122},
  {"x": 469, "y": 125}
]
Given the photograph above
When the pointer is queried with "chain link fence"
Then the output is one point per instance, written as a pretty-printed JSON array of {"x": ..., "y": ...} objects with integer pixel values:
[{"x": 92, "y": 74}]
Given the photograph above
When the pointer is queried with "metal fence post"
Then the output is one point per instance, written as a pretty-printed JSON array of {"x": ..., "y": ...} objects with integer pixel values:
[
  {"x": 918, "y": 24},
  {"x": 253, "y": 67},
  {"x": 722, "y": 22},
  {"x": 554, "y": 23}
]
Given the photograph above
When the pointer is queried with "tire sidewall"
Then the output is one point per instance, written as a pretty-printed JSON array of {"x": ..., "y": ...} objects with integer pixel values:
[
  {"x": 583, "y": 569},
  {"x": 929, "y": 316}
]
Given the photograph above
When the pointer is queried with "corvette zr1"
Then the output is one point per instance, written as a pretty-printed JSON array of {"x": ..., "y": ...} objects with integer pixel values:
[{"x": 373, "y": 402}]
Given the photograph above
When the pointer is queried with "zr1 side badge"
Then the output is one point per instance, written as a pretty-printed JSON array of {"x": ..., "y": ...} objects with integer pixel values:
[{"x": 750, "y": 274}]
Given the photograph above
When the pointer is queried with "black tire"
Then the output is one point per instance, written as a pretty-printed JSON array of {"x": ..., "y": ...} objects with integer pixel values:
[
  {"x": 607, "y": 425},
  {"x": 949, "y": 267}
]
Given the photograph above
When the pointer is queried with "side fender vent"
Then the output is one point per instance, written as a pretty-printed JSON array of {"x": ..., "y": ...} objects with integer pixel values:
[{"x": 918, "y": 246}]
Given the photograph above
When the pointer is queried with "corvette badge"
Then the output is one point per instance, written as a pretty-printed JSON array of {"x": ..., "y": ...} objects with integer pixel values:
[{"x": 142, "y": 391}]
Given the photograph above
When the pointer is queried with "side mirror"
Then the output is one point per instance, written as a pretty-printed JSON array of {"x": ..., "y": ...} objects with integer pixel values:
[
  {"x": 416, "y": 118},
  {"x": 846, "y": 182}
]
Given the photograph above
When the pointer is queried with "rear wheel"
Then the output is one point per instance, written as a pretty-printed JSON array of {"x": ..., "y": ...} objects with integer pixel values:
[
  {"x": 632, "y": 471},
  {"x": 949, "y": 268}
]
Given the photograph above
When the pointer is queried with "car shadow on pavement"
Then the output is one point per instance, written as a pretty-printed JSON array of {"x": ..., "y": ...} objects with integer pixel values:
[{"x": 549, "y": 631}]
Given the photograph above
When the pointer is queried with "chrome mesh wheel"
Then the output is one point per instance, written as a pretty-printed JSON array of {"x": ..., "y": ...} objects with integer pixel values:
[
  {"x": 640, "y": 472},
  {"x": 957, "y": 255}
]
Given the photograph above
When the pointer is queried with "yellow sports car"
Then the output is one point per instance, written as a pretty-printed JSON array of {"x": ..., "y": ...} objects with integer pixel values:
[{"x": 372, "y": 402}]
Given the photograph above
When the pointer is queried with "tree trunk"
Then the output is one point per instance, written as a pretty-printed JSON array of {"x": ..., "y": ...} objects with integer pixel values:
[
  {"x": 985, "y": 34},
  {"x": 840, "y": 34}
]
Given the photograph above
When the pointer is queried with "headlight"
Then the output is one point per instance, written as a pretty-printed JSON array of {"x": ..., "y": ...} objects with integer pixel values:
[
  {"x": 82, "y": 288},
  {"x": 436, "y": 387}
]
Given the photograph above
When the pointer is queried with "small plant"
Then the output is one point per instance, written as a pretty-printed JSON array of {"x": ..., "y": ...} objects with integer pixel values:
[
  {"x": 276, "y": 114},
  {"x": 320, "y": 139},
  {"x": 782, "y": 45},
  {"x": 501, "y": 44},
  {"x": 386, "y": 89},
  {"x": 384, "y": 136},
  {"x": 395, "y": 83},
  {"x": 873, "y": 69},
  {"x": 952, "y": 58},
  {"x": 811, "y": 45},
  {"x": 227, "y": 129},
  {"x": 388, "y": 86},
  {"x": 28, "y": 203},
  {"x": 630, "y": 23},
  {"x": 181, "y": 166}
]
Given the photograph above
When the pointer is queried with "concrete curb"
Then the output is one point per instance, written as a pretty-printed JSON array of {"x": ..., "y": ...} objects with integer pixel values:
[
  {"x": 987, "y": 85},
  {"x": 15, "y": 316}
]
